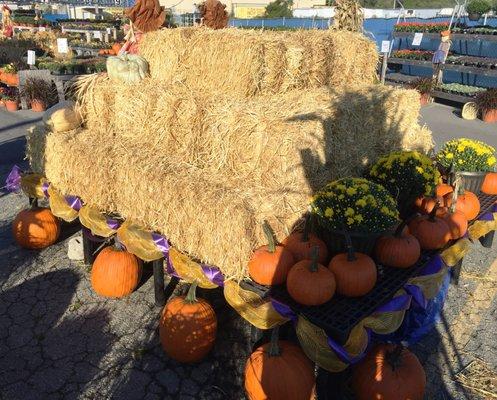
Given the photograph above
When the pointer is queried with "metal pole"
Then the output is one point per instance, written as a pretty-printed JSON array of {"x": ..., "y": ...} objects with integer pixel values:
[
  {"x": 384, "y": 67},
  {"x": 160, "y": 294}
]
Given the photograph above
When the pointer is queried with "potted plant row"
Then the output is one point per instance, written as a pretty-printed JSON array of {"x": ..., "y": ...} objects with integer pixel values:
[
  {"x": 40, "y": 93},
  {"x": 487, "y": 104},
  {"x": 476, "y": 8},
  {"x": 10, "y": 98}
]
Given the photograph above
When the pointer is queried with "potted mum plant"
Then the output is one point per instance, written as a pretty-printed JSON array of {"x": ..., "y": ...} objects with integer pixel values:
[
  {"x": 407, "y": 175},
  {"x": 356, "y": 207},
  {"x": 487, "y": 104},
  {"x": 425, "y": 87},
  {"x": 476, "y": 8},
  {"x": 11, "y": 98},
  {"x": 39, "y": 92},
  {"x": 471, "y": 159}
]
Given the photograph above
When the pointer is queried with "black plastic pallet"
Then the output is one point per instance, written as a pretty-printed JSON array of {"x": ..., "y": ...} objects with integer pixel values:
[{"x": 338, "y": 316}]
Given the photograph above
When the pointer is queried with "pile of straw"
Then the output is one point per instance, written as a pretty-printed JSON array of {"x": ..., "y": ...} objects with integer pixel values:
[
  {"x": 248, "y": 62},
  {"x": 207, "y": 171}
]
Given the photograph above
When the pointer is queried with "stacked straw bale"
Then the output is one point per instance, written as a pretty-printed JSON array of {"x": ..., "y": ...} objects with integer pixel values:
[
  {"x": 206, "y": 171},
  {"x": 248, "y": 62}
]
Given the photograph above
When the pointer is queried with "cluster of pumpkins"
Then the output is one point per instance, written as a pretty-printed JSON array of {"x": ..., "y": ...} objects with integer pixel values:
[{"x": 113, "y": 51}]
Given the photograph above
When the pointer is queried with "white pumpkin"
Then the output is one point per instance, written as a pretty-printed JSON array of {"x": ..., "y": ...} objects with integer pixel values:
[
  {"x": 128, "y": 68},
  {"x": 62, "y": 117}
]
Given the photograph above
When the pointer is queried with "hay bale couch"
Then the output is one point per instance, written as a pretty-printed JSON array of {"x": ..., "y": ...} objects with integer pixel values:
[{"x": 232, "y": 128}]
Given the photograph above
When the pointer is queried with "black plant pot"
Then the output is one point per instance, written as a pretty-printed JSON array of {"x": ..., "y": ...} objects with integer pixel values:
[
  {"x": 336, "y": 242},
  {"x": 472, "y": 181},
  {"x": 474, "y": 16}
]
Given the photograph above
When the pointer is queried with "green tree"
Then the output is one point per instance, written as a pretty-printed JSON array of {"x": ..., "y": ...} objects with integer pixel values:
[{"x": 279, "y": 8}]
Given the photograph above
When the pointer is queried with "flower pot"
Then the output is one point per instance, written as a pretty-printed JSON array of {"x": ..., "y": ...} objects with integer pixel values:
[
  {"x": 472, "y": 181},
  {"x": 336, "y": 243},
  {"x": 489, "y": 115},
  {"x": 38, "y": 106},
  {"x": 474, "y": 16},
  {"x": 425, "y": 99},
  {"x": 11, "y": 105}
]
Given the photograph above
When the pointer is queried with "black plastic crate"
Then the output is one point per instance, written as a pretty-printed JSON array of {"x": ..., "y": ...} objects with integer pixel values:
[{"x": 338, "y": 316}]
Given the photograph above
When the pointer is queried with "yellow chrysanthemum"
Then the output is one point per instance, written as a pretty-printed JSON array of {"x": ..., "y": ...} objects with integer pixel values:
[
  {"x": 449, "y": 156},
  {"x": 359, "y": 218},
  {"x": 349, "y": 212},
  {"x": 350, "y": 221},
  {"x": 361, "y": 202},
  {"x": 351, "y": 191},
  {"x": 328, "y": 212}
]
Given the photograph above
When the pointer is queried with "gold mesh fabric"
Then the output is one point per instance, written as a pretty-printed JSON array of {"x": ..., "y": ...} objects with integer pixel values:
[
  {"x": 95, "y": 221},
  {"x": 252, "y": 307},
  {"x": 59, "y": 206},
  {"x": 481, "y": 228},
  {"x": 189, "y": 270},
  {"x": 385, "y": 322},
  {"x": 430, "y": 284},
  {"x": 32, "y": 185},
  {"x": 138, "y": 241},
  {"x": 456, "y": 252}
]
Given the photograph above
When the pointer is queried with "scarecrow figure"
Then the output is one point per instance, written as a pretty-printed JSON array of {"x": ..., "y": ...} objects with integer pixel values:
[
  {"x": 214, "y": 14},
  {"x": 145, "y": 16},
  {"x": 8, "y": 29},
  {"x": 440, "y": 55}
]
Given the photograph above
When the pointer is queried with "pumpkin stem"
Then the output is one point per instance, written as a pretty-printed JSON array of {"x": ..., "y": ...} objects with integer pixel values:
[
  {"x": 394, "y": 357},
  {"x": 268, "y": 231},
  {"x": 314, "y": 259},
  {"x": 307, "y": 228},
  {"x": 455, "y": 194},
  {"x": 350, "y": 249},
  {"x": 274, "y": 348},
  {"x": 33, "y": 203},
  {"x": 191, "y": 296},
  {"x": 400, "y": 228},
  {"x": 433, "y": 212}
]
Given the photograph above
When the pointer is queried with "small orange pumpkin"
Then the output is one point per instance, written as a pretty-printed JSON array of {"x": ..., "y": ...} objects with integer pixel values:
[
  {"x": 270, "y": 264},
  {"x": 431, "y": 231},
  {"x": 35, "y": 228},
  {"x": 301, "y": 244},
  {"x": 115, "y": 272},
  {"x": 400, "y": 250},
  {"x": 490, "y": 183},
  {"x": 443, "y": 189},
  {"x": 426, "y": 204},
  {"x": 355, "y": 273},
  {"x": 279, "y": 370},
  {"x": 188, "y": 327},
  {"x": 389, "y": 372},
  {"x": 310, "y": 283}
]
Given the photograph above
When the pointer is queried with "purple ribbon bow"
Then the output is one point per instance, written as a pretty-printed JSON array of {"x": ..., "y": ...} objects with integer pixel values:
[
  {"x": 44, "y": 188},
  {"x": 213, "y": 274},
  {"x": 74, "y": 202},
  {"x": 13, "y": 181},
  {"x": 113, "y": 224}
]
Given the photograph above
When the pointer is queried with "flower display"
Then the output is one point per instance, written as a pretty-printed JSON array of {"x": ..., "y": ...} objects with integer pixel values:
[
  {"x": 406, "y": 175},
  {"x": 355, "y": 204},
  {"x": 421, "y": 27},
  {"x": 467, "y": 155}
]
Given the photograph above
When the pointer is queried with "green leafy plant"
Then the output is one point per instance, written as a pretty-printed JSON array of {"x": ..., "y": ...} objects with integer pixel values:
[
  {"x": 478, "y": 7},
  {"x": 423, "y": 85},
  {"x": 39, "y": 89},
  {"x": 487, "y": 100},
  {"x": 279, "y": 9},
  {"x": 9, "y": 68},
  {"x": 355, "y": 204},
  {"x": 467, "y": 155},
  {"x": 10, "y": 94}
]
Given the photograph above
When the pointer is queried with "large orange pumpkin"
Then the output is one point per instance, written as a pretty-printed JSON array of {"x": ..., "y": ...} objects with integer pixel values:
[
  {"x": 188, "y": 327},
  {"x": 279, "y": 370},
  {"x": 355, "y": 273},
  {"x": 115, "y": 272},
  {"x": 270, "y": 264},
  {"x": 431, "y": 231},
  {"x": 490, "y": 183},
  {"x": 468, "y": 204},
  {"x": 389, "y": 372},
  {"x": 310, "y": 283},
  {"x": 455, "y": 219},
  {"x": 301, "y": 244},
  {"x": 400, "y": 250},
  {"x": 35, "y": 228}
]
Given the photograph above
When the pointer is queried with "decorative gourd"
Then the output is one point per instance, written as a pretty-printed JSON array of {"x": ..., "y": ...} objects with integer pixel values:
[
  {"x": 62, "y": 117},
  {"x": 431, "y": 231},
  {"x": 355, "y": 273},
  {"x": 468, "y": 203},
  {"x": 35, "y": 228},
  {"x": 389, "y": 372},
  {"x": 270, "y": 264},
  {"x": 400, "y": 250},
  {"x": 310, "y": 283},
  {"x": 187, "y": 327},
  {"x": 490, "y": 183},
  {"x": 301, "y": 244},
  {"x": 279, "y": 370},
  {"x": 455, "y": 219},
  {"x": 129, "y": 68},
  {"x": 115, "y": 272}
]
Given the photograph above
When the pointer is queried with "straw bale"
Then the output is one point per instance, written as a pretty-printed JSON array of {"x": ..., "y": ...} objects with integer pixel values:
[
  {"x": 35, "y": 147},
  {"x": 248, "y": 62}
]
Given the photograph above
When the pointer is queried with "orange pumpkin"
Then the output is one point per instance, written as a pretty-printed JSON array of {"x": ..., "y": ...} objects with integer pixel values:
[
  {"x": 270, "y": 264},
  {"x": 400, "y": 250},
  {"x": 431, "y": 231},
  {"x": 490, "y": 183},
  {"x": 455, "y": 219},
  {"x": 116, "y": 47},
  {"x": 355, "y": 273},
  {"x": 279, "y": 370},
  {"x": 468, "y": 204},
  {"x": 426, "y": 204},
  {"x": 310, "y": 283},
  {"x": 115, "y": 272},
  {"x": 35, "y": 228},
  {"x": 443, "y": 189},
  {"x": 188, "y": 327},
  {"x": 301, "y": 244},
  {"x": 389, "y": 372}
]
